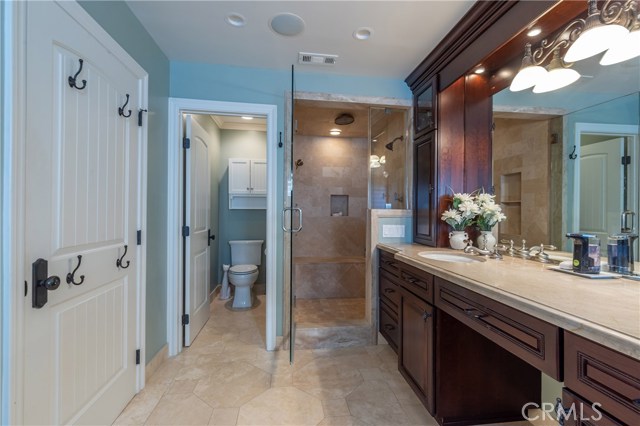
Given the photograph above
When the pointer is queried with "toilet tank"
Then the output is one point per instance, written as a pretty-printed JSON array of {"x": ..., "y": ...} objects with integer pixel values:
[{"x": 246, "y": 252}]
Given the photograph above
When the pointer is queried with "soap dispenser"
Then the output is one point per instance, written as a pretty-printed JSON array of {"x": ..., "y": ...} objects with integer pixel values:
[{"x": 586, "y": 253}]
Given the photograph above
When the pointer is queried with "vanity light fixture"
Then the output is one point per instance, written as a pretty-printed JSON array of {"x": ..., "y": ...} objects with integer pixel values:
[
  {"x": 615, "y": 29},
  {"x": 374, "y": 161},
  {"x": 557, "y": 77},
  {"x": 598, "y": 34},
  {"x": 335, "y": 132},
  {"x": 530, "y": 73}
]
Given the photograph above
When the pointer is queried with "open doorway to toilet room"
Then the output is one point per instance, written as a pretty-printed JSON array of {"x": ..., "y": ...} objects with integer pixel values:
[{"x": 212, "y": 143}]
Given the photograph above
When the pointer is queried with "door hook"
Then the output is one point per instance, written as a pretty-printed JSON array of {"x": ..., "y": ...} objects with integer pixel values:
[
  {"x": 573, "y": 155},
  {"x": 121, "y": 109},
  {"x": 120, "y": 262},
  {"x": 71, "y": 279},
  {"x": 72, "y": 80}
]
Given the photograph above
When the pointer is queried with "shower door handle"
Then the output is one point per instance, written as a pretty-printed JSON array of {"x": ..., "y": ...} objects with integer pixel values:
[{"x": 292, "y": 209}]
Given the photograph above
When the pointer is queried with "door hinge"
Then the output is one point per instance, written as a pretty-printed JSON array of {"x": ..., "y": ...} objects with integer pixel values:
[
  {"x": 186, "y": 143},
  {"x": 626, "y": 160},
  {"x": 137, "y": 356},
  {"x": 185, "y": 319},
  {"x": 185, "y": 231},
  {"x": 139, "y": 237}
]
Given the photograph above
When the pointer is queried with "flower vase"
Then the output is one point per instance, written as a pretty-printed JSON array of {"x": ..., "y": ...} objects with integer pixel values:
[
  {"x": 486, "y": 241},
  {"x": 458, "y": 240}
]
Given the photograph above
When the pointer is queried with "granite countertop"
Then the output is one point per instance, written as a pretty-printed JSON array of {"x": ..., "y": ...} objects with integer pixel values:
[{"x": 606, "y": 311}]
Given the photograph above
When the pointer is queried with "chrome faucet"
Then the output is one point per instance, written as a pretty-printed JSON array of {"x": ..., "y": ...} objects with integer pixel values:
[
  {"x": 510, "y": 250},
  {"x": 523, "y": 251},
  {"x": 540, "y": 254},
  {"x": 488, "y": 253}
]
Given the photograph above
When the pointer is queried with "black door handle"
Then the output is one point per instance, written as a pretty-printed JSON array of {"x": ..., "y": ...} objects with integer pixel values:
[
  {"x": 42, "y": 283},
  {"x": 210, "y": 237}
]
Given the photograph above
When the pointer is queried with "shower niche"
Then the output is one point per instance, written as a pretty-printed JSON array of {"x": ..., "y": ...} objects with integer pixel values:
[{"x": 339, "y": 205}]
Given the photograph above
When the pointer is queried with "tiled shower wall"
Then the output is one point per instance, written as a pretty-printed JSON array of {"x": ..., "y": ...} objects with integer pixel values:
[{"x": 328, "y": 254}]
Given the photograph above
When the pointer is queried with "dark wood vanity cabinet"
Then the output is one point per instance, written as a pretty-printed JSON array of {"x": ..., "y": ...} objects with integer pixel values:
[
  {"x": 417, "y": 319},
  {"x": 388, "y": 299},
  {"x": 425, "y": 212},
  {"x": 602, "y": 376}
]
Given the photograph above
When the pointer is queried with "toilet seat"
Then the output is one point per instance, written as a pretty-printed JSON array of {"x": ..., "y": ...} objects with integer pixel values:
[{"x": 243, "y": 269}]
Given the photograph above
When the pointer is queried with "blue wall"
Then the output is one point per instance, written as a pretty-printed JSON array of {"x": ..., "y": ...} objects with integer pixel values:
[{"x": 118, "y": 20}]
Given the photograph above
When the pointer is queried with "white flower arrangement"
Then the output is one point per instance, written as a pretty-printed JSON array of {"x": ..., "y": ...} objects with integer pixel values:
[{"x": 474, "y": 208}]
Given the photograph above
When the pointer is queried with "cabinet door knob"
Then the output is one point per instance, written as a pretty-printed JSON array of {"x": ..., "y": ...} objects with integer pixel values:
[
  {"x": 426, "y": 315},
  {"x": 389, "y": 327},
  {"x": 389, "y": 290}
]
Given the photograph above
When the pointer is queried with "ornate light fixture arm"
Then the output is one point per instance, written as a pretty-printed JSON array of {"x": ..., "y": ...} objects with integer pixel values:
[{"x": 563, "y": 40}]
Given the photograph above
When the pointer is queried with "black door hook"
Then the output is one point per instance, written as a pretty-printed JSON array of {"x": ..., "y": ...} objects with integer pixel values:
[
  {"x": 121, "y": 109},
  {"x": 120, "y": 262},
  {"x": 72, "y": 80},
  {"x": 71, "y": 276}
]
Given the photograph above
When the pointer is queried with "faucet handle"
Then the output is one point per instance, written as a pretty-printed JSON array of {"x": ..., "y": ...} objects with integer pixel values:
[
  {"x": 549, "y": 247},
  {"x": 510, "y": 242},
  {"x": 524, "y": 245}
]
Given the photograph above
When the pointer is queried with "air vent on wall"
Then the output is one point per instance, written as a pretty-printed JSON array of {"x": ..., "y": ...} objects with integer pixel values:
[{"x": 317, "y": 59}]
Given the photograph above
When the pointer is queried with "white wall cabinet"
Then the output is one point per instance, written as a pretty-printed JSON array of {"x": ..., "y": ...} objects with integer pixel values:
[{"x": 247, "y": 183}]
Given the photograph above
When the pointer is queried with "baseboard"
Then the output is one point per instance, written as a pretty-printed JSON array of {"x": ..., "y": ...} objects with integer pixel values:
[
  {"x": 155, "y": 363},
  {"x": 215, "y": 292}
]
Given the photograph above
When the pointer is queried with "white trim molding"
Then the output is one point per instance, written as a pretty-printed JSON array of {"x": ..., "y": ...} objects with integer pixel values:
[{"x": 177, "y": 107}]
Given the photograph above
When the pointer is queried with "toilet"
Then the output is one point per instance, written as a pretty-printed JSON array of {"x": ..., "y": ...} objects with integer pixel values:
[{"x": 246, "y": 256}]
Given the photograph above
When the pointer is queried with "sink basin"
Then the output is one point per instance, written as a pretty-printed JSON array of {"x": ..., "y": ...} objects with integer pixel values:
[{"x": 449, "y": 257}]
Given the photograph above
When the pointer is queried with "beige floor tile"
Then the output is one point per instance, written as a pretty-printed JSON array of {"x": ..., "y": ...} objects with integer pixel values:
[
  {"x": 342, "y": 421},
  {"x": 180, "y": 410},
  {"x": 281, "y": 406},
  {"x": 280, "y": 380},
  {"x": 224, "y": 417},
  {"x": 140, "y": 407},
  {"x": 418, "y": 415},
  {"x": 371, "y": 374},
  {"x": 378, "y": 414},
  {"x": 326, "y": 379},
  {"x": 232, "y": 385},
  {"x": 182, "y": 387},
  {"x": 335, "y": 407},
  {"x": 376, "y": 392}
]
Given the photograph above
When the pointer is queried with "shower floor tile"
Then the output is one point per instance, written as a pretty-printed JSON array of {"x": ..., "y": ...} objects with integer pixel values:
[{"x": 329, "y": 312}]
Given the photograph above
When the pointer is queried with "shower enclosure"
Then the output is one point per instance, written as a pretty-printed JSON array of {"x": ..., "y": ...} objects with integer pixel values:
[{"x": 335, "y": 179}]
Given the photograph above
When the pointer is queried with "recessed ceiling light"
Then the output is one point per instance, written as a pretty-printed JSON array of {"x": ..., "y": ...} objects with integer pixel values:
[
  {"x": 479, "y": 70},
  {"x": 287, "y": 24},
  {"x": 235, "y": 20},
  {"x": 534, "y": 32},
  {"x": 335, "y": 132},
  {"x": 363, "y": 33},
  {"x": 245, "y": 117}
]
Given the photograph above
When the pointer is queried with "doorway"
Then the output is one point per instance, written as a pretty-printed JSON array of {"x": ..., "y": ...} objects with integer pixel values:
[
  {"x": 175, "y": 217},
  {"x": 605, "y": 177}
]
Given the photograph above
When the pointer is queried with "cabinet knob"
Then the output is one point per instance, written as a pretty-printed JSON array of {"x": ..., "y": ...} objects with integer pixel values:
[
  {"x": 426, "y": 315},
  {"x": 389, "y": 327},
  {"x": 389, "y": 290}
]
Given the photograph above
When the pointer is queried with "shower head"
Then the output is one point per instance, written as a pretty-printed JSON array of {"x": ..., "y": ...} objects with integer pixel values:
[{"x": 389, "y": 146}]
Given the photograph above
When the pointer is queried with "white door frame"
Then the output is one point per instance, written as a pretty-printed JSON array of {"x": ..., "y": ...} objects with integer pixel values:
[
  {"x": 12, "y": 155},
  {"x": 622, "y": 130},
  {"x": 177, "y": 107}
]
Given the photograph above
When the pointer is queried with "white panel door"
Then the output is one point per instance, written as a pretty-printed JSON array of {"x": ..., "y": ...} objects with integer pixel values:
[
  {"x": 81, "y": 199},
  {"x": 601, "y": 186},
  {"x": 239, "y": 176},
  {"x": 197, "y": 216},
  {"x": 259, "y": 177}
]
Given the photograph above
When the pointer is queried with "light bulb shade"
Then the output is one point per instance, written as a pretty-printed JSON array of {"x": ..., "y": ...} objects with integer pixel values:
[
  {"x": 555, "y": 79},
  {"x": 527, "y": 77},
  {"x": 627, "y": 48},
  {"x": 595, "y": 40}
]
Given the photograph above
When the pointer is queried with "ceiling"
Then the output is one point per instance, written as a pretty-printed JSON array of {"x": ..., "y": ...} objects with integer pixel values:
[
  {"x": 236, "y": 122},
  {"x": 403, "y": 33}
]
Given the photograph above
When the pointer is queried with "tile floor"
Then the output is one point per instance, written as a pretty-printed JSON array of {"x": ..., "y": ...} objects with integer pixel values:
[
  {"x": 227, "y": 378},
  {"x": 329, "y": 312}
]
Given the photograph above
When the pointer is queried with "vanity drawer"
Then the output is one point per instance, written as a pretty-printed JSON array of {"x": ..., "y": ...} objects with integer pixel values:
[
  {"x": 534, "y": 341},
  {"x": 583, "y": 413},
  {"x": 389, "y": 326},
  {"x": 417, "y": 281},
  {"x": 602, "y": 375},
  {"x": 388, "y": 263},
  {"x": 389, "y": 290}
]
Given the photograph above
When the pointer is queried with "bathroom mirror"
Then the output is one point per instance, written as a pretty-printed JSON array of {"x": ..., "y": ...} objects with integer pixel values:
[{"x": 568, "y": 160}]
